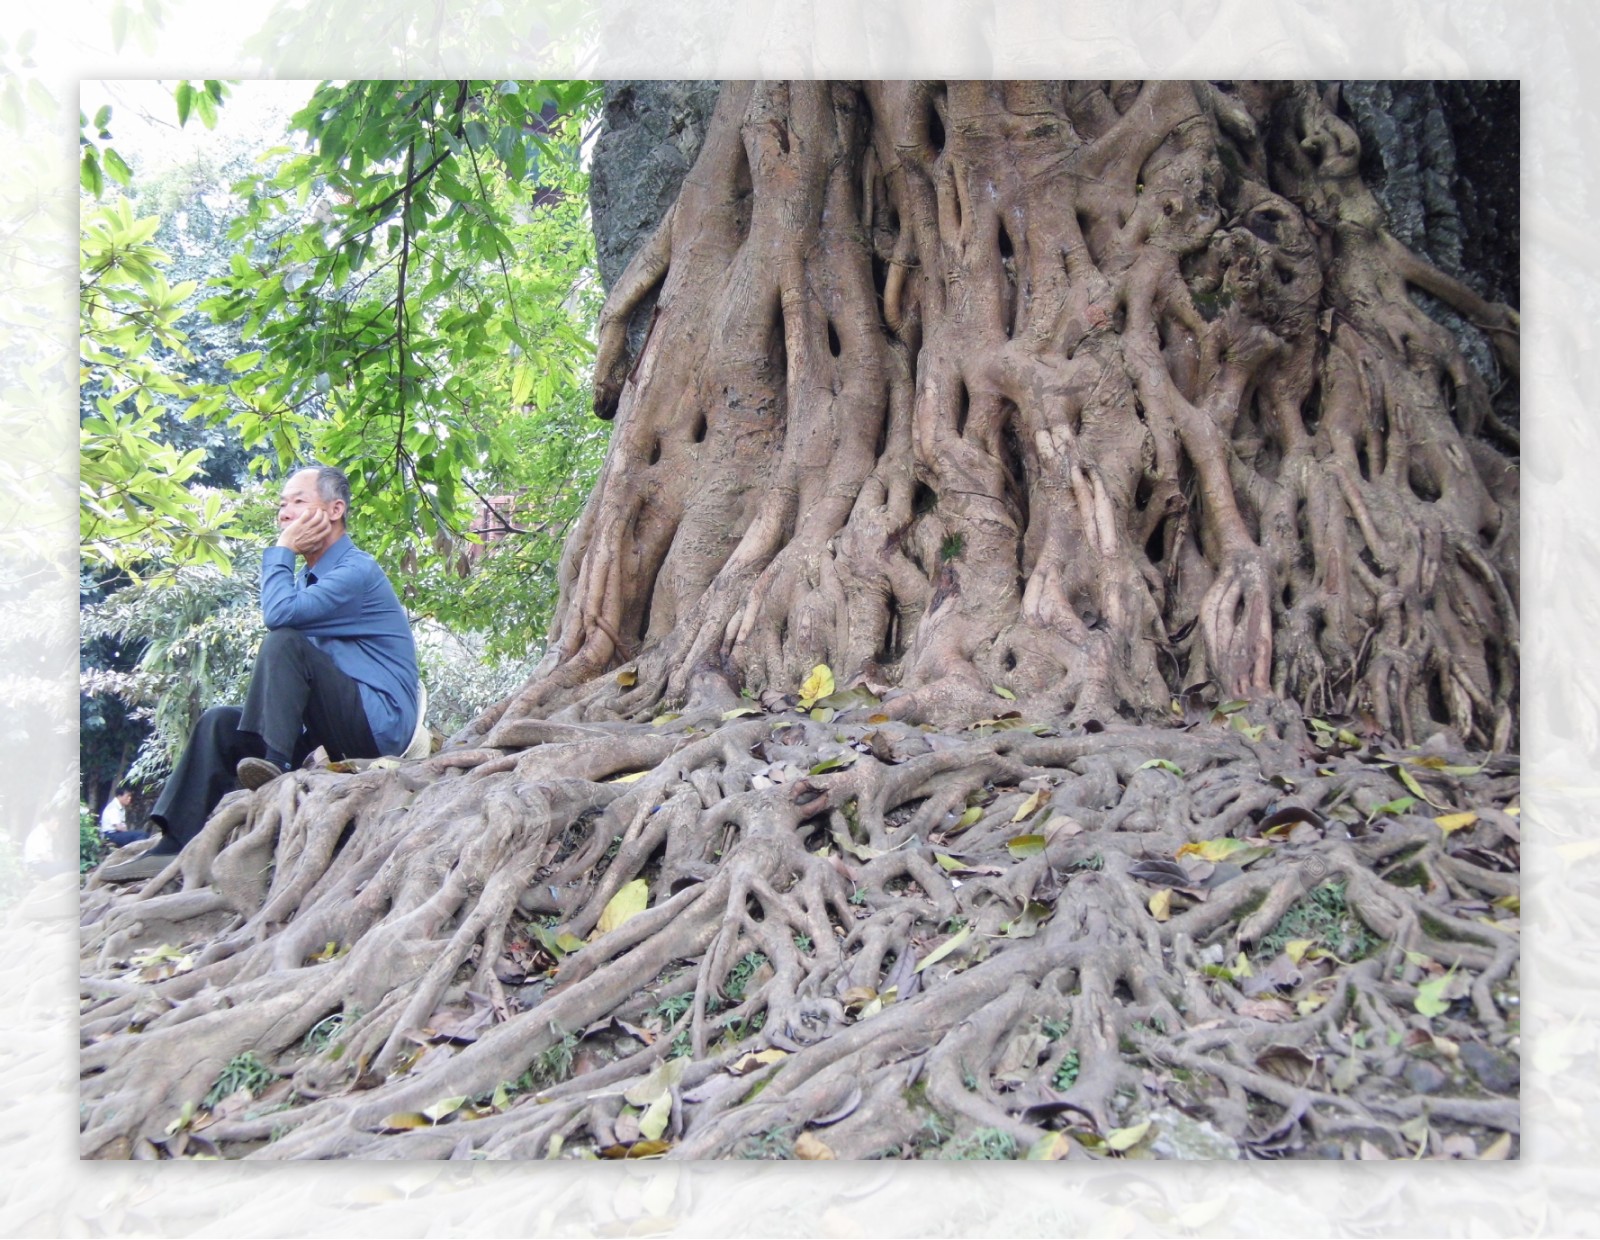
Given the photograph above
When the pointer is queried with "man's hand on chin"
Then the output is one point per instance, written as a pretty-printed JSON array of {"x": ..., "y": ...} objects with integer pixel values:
[{"x": 307, "y": 534}]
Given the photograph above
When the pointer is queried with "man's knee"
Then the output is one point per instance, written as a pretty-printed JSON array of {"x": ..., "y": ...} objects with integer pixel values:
[
  {"x": 219, "y": 721},
  {"x": 278, "y": 641}
]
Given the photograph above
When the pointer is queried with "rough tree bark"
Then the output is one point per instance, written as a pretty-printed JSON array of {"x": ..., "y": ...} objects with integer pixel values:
[{"x": 1090, "y": 435}]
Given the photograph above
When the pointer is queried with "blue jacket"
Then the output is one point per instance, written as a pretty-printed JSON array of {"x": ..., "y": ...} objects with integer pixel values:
[{"x": 348, "y": 609}]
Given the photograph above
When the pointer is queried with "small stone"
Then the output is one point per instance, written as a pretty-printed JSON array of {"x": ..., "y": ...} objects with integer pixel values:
[
  {"x": 1496, "y": 1071},
  {"x": 1179, "y": 1136},
  {"x": 1424, "y": 1077}
]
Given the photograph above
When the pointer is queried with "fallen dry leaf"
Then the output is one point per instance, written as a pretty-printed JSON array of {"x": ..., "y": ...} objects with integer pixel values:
[{"x": 812, "y": 1148}]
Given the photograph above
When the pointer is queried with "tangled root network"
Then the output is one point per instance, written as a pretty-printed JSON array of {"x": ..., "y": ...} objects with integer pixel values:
[{"x": 825, "y": 933}]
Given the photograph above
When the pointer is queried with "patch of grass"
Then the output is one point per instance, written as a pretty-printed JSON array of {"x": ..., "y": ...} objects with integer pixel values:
[
  {"x": 243, "y": 1072},
  {"x": 1323, "y": 915},
  {"x": 931, "y": 1133},
  {"x": 802, "y": 943},
  {"x": 1412, "y": 875},
  {"x": 1056, "y": 1027},
  {"x": 321, "y": 1034},
  {"x": 553, "y": 1064},
  {"x": 767, "y": 1146},
  {"x": 1066, "y": 1073},
  {"x": 1092, "y": 862},
  {"x": 983, "y": 1144},
  {"x": 739, "y": 976},
  {"x": 674, "y": 1006},
  {"x": 738, "y": 1029},
  {"x": 952, "y": 547}
]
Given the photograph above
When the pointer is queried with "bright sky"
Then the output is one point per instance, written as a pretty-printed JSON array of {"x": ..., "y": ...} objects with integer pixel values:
[{"x": 144, "y": 118}]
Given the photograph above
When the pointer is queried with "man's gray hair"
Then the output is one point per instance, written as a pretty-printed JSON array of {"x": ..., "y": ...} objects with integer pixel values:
[{"x": 331, "y": 484}]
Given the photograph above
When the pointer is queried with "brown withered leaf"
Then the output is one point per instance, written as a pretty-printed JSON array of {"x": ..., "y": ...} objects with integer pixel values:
[
  {"x": 1288, "y": 1063},
  {"x": 1275, "y": 1010},
  {"x": 636, "y": 1149},
  {"x": 812, "y": 1148}
]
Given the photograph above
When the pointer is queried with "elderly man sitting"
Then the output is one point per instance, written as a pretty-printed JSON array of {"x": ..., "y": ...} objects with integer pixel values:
[{"x": 338, "y": 668}]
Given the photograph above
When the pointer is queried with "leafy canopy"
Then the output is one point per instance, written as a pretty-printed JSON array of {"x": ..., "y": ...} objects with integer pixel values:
[
  {"x": 418, "y": 287},
  {"x": 414, "y": 287}
]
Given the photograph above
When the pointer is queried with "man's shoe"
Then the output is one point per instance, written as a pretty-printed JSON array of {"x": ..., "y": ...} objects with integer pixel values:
[
  {"x": 258, "y": 772},
  {"x": 146, "y": 865}
]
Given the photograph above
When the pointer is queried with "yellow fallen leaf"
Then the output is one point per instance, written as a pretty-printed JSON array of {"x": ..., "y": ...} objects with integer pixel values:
[
  {"x": 657, "y": 1082},
  {"x": 811, "y": 1147},
  {"x": 1126, "y": 1138},
  {"x": 400, "y": 1121},
  {"x": 1161, "y": 904},
  {"x": 945, "y": 948},
  {"x": 1214, "y": 850},
  {"x": 627, "y": 679},
  {"x": 1454, "y": 822},
  {"x": 817, "y": 685},
  {"x": 1498, "y": 1149},
  {"x": 631, "y": 900},
  {"x": 654, "y": 1120},
  {"x": 1030, "y": 806},
  {"x": 629, "y": 778},
  {"x": 1412, "y": 786},
  {"x": 1297, "y": 948},
  {"x": 1051, "y": 1147},
  {"x": 444, "y": 1107},
  {"x": 749, "y": 1063}
]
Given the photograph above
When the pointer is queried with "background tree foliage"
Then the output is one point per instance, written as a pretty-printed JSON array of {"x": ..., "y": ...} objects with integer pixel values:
[
  {"x": 417, "y": 290},
  {"x": 405, "y": 286}
]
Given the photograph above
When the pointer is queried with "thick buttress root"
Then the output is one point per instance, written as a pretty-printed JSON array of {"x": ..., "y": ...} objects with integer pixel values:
[
  {"x": 1086, "y": 391},
  {"x": 998, "y": 936}
]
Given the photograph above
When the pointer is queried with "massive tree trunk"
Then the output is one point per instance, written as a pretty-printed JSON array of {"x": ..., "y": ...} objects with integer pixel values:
[
  {"x": 1089, "y": 394},
  {"x": 1090, "y": 435}
]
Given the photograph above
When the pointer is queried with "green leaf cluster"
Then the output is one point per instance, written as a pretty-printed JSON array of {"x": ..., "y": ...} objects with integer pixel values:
[
  {"x": 137, "y": 499},
  {"x": 416, "y": 292}
]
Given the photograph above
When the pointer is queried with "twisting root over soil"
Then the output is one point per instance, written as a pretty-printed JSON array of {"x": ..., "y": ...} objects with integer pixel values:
[{"x": 891, "y": 941}]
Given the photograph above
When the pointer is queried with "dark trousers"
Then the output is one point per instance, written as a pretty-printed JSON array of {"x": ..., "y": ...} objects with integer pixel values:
[{"x": 297, "y": 700}]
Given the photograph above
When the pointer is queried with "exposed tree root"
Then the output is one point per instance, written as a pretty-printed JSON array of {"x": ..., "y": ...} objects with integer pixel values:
[{"x": 935, "y": 939}]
